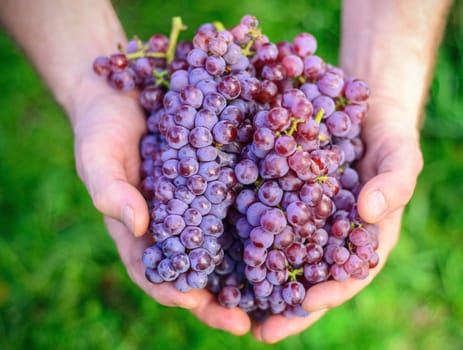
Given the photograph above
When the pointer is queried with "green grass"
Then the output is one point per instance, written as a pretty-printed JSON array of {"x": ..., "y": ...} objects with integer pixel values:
[{"x": 62, "y": 285}]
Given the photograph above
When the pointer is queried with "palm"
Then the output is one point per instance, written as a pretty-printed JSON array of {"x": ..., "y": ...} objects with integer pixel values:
[{"x": 107, "y": 137}]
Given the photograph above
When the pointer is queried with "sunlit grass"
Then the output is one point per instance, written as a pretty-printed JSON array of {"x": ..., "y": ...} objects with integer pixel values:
[{"x": 63, "y": 287}]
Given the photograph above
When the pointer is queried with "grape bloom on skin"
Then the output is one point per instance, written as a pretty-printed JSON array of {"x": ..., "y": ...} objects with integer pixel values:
[{"x": 247, "y": 166}]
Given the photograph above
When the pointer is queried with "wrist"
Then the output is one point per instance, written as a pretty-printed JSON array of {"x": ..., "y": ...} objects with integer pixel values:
[
  {"x": 392, "y": 46},
  {"x": 62, "y": 38},
  {"x": 397, "y": 73}
]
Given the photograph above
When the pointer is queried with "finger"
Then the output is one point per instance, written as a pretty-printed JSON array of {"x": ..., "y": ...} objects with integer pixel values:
[
  {"x": 110, "y": 190},
  {"x": 201, "y": 303},
  {"x": 131, "y": 251},
  {"x": 107, "y": 136},
  {"x": 278, "y": 327},
  {"x": 330, "y": 294},
  {"x": 393, "y": 185},
  {"x": 232, "y": 320}
]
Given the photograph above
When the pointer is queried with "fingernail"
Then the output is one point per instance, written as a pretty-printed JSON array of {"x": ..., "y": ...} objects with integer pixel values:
[
  {"x": 376, "y": 204},
  {"x": 128, "y": 218}
]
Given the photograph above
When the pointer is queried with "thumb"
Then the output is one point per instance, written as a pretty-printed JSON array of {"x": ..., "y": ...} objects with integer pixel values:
[
  {"x": 394, "y": 182},
  {"x": 113, "y": 195}
]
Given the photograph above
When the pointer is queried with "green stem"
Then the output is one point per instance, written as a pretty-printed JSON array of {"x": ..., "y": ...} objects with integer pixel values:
[
  {"x": 254, "y": 34},
  {"x": 177, "y": 26},
  {"x": 293, "y": 128},
  {"x": 292, "y": 274},
  {"x": 342, "y": 102},
  {"x": 156, "y": 54},
  {"x": 319, "y": 115},
  {"x": 247, "y": 49},
  {"x": 160, "y": 77},
  {"x": 218, "y": 26},
  {"x": 321, "y": 179},
  {"x": 355, "y": 225},
  {"x": 259, "y": 182},
  {"x": 135, "y": 55}
]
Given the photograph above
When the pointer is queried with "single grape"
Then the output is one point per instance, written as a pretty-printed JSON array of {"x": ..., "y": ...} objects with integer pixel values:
[
  {"x": 304, "y": 44},
  {"x": 293, "y": 293},
  {"x": 229, "y": 296}
]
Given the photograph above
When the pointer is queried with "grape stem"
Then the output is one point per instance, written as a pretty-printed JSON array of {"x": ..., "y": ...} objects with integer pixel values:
[
  {"x": 254, "y": 35},
  {"x": 218, "y": 26},
  {"x": 354, "y": 225},
  {"x": 177, "y": 26},
  {"x": 161, "y": 77},
  {"x": 292, "y": 274},
  {"x": 319, "y": 115},
  {"x": 142, "y": 53},
  {"x": 259, "y": 182},
  {"x": 341, "y": 102},
  {"x": 293, "y": 128},
  {"x": 321, "y": 179}
]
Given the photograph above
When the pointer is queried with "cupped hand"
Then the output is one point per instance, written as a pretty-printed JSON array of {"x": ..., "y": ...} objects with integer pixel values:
[
  {"x": 389, "y": 171},
  {"x": 108, "y": 126}
]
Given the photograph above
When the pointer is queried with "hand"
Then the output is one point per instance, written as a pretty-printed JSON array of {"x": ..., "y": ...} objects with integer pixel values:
[
  {"x": 108, "y": 126},
  {"x": 389, "y": 171}
]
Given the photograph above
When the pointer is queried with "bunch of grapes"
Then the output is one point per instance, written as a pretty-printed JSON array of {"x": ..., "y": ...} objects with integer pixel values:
[{"x": 247, "y": 164}]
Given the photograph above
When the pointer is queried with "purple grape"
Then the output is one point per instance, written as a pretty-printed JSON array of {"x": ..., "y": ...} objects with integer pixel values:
[
  {"x": 262, "y": 289},
  {"x": 359, "y": 237},
  {"x": 246, "y": 172},
  {"x": 179, "y": 80},
  {"x": 254, "y": 212},
  {"x": 273, "y": 220},
  {"x": 254, "y": 256},
  {"x": 229, "y": 296},
  {"x": 200, "y": 259},
  {"x": 304, "y": 44},
  {"x": 278, "y": 277},
  {"x": 357, "y": 90},
  {"x": 293, "y": 293},
  {"x": 166, "y": 270},
  {"x": 224, "y": 132},
  {"x": 152, "y": 256},
  {"x": 192, "y": 96},
  {"x": 330, "y": 84},
  {"x": 197, "y": 279},
  {"x": 216, "y": 192},
  {"x": 276, "y": 260},
  {"x": 192, "y": 237},
  {"x": 255, "y": 274},
  {"x": 169, "y": 168},
  {"x": 172, "y": 246},
  {"x": 181, "y": 283},
  {"x": 215, "y": 65},
  {"x": 196, "y": 58},
  {"x": 295, "y": 253},
  {"x": 215, "y": 102},
  {"x": 153, "y": 276},
  {"x": 211, "y": 225},
  {"x": 260, "y": 237},
  {"x": 316, "y": 273}
]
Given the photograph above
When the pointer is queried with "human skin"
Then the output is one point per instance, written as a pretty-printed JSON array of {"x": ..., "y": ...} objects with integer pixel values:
[
  {"x": 392, "y": 45},
  {"x": 381, "y": 40}
]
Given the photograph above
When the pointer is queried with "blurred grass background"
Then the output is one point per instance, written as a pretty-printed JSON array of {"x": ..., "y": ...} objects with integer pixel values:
[{"x": 63, "y": 287}]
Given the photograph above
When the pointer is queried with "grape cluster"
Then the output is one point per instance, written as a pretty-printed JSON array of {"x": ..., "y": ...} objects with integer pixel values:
[{"x": 247, "y": 164}]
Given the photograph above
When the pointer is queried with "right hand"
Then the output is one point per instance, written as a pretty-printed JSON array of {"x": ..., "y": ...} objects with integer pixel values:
[{"x": 391, "y": 166}]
